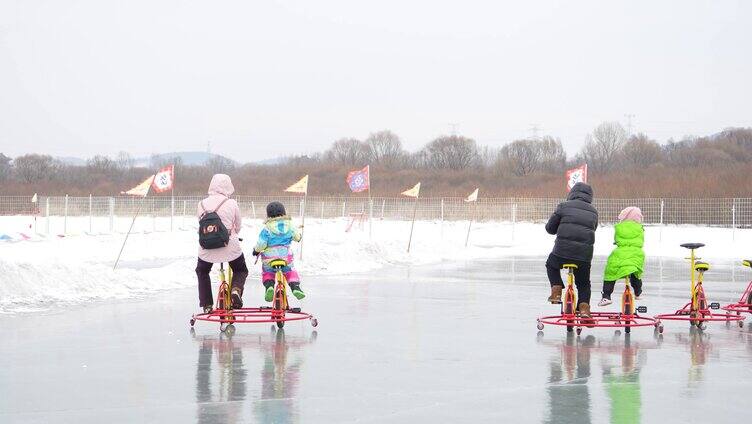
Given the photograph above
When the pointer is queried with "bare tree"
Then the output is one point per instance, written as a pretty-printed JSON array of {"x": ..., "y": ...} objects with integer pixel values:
[
  {"x": 34, "y": 167},
  {"x": 524, "y": 157},
  {"x": 520, "y": 157},
  {"x": 603, "y": 146},
  {"x": 5, "y": 167},
  {"x": 385, "y": 147},
  {"x": 101, "y": 165},
  {"x": 349, "y": 152},
  {"x": 640, "y": 152},
  {"x": 124, "y": 161},
  {"x": 486, "y": 156},
  {"x": 552, "y": 156},
  {"x": 451, "y": 152},
  {"x": 218, "y": 164}
]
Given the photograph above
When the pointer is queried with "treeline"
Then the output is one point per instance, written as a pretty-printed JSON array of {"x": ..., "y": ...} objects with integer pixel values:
[{"x": 620, "y": 165}]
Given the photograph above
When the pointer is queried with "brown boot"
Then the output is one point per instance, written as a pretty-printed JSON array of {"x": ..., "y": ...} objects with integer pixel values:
[
  {"x": 585, "y": 316},
  {"x": 555, "y": 297}
]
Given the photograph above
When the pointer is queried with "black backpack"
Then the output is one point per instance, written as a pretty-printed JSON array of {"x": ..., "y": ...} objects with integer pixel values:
[{"x": 212, "y": 233}]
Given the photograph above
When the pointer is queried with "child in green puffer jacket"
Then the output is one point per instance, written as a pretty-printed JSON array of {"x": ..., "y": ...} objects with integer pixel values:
[{"x": 628, "y": 259}]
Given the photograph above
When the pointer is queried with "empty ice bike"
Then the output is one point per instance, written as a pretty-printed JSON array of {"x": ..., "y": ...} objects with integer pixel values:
[
  {"x": 698, "y": 311},
  {"x": 744, "y": 304},
  {"x": 626, "y": 318},
  {"x": 279, "y": 313}
]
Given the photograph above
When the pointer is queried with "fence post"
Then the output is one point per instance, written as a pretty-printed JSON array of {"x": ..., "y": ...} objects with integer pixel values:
[
  {"x": 253, "y": 208},
  {"x": 442, "y": 221},
  {"x": 65, "y": 217},
  {"x": 322, "y": 209},
  {"x": 514, "y": 218},
  {"x": 370, "y": 216},
  {"x": 383, "y": 205},
  {"x": 172, "y": 211},
  {"x": 111, "y": 201},
  {"x": 660, "y": 228},
  {"x": 182, "y": 224},
  {"x": 153, "y": 217},
  {"x": 47, "y": 213},
  {"x": 343, "y": 208},
  {"x": 733, "y": 219},
  {"x": 91, "y": 231}
]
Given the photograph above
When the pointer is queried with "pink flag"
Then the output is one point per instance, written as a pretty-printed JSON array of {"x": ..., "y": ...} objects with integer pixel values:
[
  {"x": 359, "y": 180},
  {"x": 576, "y": 175}
]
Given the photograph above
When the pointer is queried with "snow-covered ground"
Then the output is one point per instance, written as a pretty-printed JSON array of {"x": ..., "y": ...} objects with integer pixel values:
[{"x": 37, "y": 271}]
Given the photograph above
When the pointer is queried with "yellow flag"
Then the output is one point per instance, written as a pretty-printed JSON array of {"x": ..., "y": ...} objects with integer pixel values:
[
  {"x": 299, "y": 187},
  {"x": 413, "y": 192},
  {"x": 141, "y": 189},
  {"x": 473, "y": 196}
]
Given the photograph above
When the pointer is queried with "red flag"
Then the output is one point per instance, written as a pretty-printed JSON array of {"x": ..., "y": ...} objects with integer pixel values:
[
  {"x": 359, "y": 180},
  {"x": 576, "y": 175},
  {"x": 164, "y": 179}
]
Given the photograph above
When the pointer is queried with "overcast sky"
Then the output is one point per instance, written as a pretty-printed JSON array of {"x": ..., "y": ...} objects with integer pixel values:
[{"x": 262, "y": 79}]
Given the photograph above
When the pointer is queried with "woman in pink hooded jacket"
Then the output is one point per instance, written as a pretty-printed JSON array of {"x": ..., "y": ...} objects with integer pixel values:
[{"x": 220, "y": 190}]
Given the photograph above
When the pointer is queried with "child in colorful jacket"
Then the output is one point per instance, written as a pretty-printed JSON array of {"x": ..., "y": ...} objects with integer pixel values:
[
  {"x": 274, "y": 243},
  {"x": 628, "y": 259}
]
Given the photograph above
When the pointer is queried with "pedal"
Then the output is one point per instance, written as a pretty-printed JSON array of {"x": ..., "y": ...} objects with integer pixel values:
[
  {"x": 642, "y": 309},
  {"x": 715, "y": 305}
]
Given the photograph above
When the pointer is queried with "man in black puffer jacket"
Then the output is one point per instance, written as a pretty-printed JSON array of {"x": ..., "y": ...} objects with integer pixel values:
[{"x": 574, "y": 222}]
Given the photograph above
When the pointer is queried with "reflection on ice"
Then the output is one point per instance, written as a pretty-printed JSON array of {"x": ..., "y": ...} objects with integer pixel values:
[
  {"x": 572, "y": 377},
  {"x": 224, "y": 379}
]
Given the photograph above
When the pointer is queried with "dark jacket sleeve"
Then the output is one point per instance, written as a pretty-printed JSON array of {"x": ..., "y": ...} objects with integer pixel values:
[{"x": 553, "y": 223}]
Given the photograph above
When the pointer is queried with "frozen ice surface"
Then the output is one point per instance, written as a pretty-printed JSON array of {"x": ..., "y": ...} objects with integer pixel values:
[{"x": 447, "y": 343}]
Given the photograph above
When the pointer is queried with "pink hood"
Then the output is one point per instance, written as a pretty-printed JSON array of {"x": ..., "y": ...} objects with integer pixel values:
[
  {"x": 631, "y": 213},
  {"x": 221, "y": 184}
]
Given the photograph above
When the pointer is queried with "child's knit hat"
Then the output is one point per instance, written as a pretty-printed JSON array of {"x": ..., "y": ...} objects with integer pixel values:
[{"x": 631, "y": 213}]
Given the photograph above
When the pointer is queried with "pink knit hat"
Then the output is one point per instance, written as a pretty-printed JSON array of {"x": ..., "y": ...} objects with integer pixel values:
[{"x": 631, "y": 213}]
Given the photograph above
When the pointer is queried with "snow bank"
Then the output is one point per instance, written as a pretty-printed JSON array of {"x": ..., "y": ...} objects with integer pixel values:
[{"x": 40, "y": 271}]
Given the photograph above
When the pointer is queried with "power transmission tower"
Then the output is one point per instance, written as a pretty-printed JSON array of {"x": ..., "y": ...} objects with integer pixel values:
[
  {"x": 208, "y": 147},
  {"x": 453, "y": 126},
  {"x": 629, "y": 117},
  {"x": 534, "y": 128}
]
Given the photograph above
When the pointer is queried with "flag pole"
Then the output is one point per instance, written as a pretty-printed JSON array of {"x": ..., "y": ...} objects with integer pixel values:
[
  {"x": 470, "y": 224},
  {"x": 133, "y": 221},
  {"x": 305, "y": 203},
  {"x": 370, "y": 205},
  {"x": 172, "y": 199},
  {"x": 412, "y": 224}
]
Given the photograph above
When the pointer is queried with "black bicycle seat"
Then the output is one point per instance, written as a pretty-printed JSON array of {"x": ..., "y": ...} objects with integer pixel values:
[{"x": 692, "y": 245}]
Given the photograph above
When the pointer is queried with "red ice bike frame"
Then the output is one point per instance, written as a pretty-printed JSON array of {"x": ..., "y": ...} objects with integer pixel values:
[
  {"x": 279, "y": 313},
  {"x": 698, "y": 311},
  {"x": 744, "y": 305},
  {"x": 626, "y": 318}
]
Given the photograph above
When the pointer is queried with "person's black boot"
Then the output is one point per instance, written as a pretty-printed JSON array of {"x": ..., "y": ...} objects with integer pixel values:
[{"x": 237, "y": 298}]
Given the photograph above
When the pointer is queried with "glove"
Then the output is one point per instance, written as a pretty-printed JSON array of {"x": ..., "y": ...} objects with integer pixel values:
[{"x": 255, "y": 253}]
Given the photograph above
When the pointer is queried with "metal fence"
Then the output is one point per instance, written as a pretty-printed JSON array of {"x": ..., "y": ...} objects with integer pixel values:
[{"x": 106, "y": 211}]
